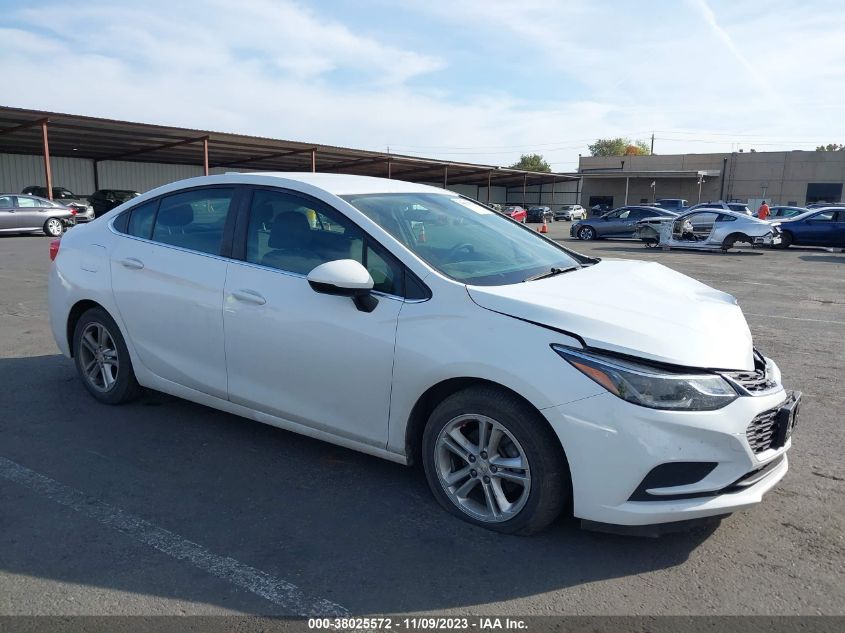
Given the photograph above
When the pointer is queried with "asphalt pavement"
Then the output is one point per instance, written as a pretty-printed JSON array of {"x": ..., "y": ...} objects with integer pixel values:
[{"x": 167, "y": 507}]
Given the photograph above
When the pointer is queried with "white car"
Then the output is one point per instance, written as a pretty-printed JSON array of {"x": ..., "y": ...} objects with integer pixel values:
[
  {"x": 414, "y": 324},
  {"x": 571, "y": 212},
  {"x": 707, "y": 229}
]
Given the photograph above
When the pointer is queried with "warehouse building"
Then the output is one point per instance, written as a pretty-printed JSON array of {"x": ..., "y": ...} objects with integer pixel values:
[
  {"x": 84, "y": 154},
  {"x": 790, "y": 178}
]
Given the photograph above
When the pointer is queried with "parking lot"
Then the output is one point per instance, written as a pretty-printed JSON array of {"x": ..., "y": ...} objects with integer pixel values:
[{"x": 166, "y": 507}]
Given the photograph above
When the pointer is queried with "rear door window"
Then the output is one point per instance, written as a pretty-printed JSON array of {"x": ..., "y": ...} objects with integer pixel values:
[
  {"x": 194, "y": 219},
  {"x": 141, "y": 220}
]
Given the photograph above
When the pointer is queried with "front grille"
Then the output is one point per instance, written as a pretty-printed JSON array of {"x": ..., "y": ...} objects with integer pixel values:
[
  {"x": 761, "y": 433},
  {"x": 752, "y": 381},
  {"x": 756, "y": 381}
]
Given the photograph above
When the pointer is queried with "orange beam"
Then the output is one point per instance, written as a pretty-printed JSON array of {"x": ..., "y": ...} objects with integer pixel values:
[{"x": 47, "y": 173}]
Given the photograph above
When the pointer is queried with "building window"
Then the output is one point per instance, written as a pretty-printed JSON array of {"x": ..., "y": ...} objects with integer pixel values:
[{"x": 824, "y": 192}]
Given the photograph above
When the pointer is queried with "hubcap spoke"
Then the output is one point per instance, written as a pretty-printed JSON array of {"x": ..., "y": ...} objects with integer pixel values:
[
  {"x": 489, "y": 499},
  {"x": 515, "y": 477},
  {"x": 453, "y": 446},
  {"x": 99, "y": 357},
  {"x": 505, "y": 506},
  {"x": 458, "y": 475},
  {"x": 464, "y": 490},
  {"x": 461, "y": 440},
  {"x": 514, "y": 463}
]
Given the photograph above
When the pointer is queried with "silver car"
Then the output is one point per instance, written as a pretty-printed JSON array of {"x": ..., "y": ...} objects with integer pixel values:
[
  {"x": 708, "y": 229},
  {"x": 29, "y": 214}
]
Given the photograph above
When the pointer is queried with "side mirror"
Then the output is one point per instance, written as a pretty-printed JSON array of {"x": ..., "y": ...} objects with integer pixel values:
[{"x": 345, "y": 278}]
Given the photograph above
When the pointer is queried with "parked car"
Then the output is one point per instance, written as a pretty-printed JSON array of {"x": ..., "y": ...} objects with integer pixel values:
[
  {"x": 517, "y": 213},
  {"x": 672, "y": 204},
  {"x": 825, "y": 205},
  {"x": 782, "y": 212},
  {"x": 816, "y": 227},
  {"x": 540, "y": 214},
  {"x": 571, "y": 212},
  {"x": 30, "y": 214},
  {"x": 84, "y": 211},
  {"x": 708, "y": 229},
  {"x": 561, "y": 380},
  {"x": 738, "y": 207},
  {"x": 621, "y": 222},
  {"x": 104, "y": 200},
  {"x": 600, "y": 209}
]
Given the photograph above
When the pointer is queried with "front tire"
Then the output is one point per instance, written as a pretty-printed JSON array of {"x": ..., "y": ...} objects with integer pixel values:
[
  {"x": 102, "y": 359},
  {"x": 586, "y": 233},
  {"x": 492, "y": 460},
  {"x": 53, "y": 227},
  {"x": 785, "y": 240}
]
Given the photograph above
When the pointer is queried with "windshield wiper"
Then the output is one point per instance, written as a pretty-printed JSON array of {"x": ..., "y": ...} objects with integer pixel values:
[{"x": 551, "y": 273}]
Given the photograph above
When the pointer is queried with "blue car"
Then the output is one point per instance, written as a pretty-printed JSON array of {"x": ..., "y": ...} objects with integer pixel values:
[{"x": 818, "y": 227}]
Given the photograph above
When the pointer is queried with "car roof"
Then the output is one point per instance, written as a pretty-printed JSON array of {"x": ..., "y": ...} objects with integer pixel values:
[{"x": 343, "y": 184}]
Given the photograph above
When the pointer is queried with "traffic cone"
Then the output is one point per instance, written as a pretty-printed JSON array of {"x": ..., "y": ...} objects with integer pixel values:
[{"x": 545, "y": 227}]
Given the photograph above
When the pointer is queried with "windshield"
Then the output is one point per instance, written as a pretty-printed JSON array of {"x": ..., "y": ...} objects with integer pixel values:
[{"x": 462, "y": 239}]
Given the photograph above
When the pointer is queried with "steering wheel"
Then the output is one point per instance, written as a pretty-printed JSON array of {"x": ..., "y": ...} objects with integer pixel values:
[{"x": 469, "y": 248}]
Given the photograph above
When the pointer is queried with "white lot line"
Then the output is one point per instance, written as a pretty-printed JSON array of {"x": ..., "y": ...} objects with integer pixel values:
[
  {"x": 791, "y": 318},
  {"x": 276, "y": 590}
]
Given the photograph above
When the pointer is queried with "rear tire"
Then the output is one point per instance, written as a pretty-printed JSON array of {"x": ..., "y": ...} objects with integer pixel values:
[
  {"x": 102, "y": 359},
  {"x": 53, "y": 227},
  {"x": 521, "y": 498}
]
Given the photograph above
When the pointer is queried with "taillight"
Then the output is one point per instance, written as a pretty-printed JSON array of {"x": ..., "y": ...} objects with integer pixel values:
[
  {"x": 54, "y": 249},
  {"x": 73, "y": 211}
]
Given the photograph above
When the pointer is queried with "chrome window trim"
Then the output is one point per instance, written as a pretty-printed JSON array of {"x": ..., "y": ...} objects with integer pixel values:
[{"x": 232, "y": 260}]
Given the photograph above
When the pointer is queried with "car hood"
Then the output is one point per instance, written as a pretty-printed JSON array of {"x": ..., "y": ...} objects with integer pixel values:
[{"x": 638, "y": 308}]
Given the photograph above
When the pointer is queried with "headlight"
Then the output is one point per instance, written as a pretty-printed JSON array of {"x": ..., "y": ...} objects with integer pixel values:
[{"x": 651, "y": 387}]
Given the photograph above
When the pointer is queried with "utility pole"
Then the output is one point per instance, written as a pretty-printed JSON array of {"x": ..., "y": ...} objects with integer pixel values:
[{"x": 652, "y": 143}]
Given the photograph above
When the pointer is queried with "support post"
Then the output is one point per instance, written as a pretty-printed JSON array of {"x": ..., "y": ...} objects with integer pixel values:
[
  {"x": 389, "y": 168},
  {"x": 554, "y": 186},
  {"x": 46, "y": 146},
  {"x": 524, "y": 190},
  {"x": 445, "y": 176},
  {"x": 489, "y": 178},
  {"x": 205, "y": 155},
  {"x": 724, "y": 175},
  {"x": 96, "y": 175},
  {"x": 627, "y": 183},
  {"x": 314, "y": 160}
]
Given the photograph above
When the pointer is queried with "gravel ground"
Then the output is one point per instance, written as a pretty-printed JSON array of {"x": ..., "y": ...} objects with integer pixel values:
[{"x": 166, "y": 507}]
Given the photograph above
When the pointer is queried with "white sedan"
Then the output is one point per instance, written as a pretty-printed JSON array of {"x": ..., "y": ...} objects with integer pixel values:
[{"x": 414, "y": 324}]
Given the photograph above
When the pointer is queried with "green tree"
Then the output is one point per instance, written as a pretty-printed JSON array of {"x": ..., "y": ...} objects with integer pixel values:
[
  {"x": 532, "y": 162},
  {"x": 619, "y": 146},
  {"x": 830, "y": 147}
]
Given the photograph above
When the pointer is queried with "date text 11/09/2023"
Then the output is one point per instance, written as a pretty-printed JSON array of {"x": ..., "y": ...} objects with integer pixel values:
[{"x": 484, "y": 623}]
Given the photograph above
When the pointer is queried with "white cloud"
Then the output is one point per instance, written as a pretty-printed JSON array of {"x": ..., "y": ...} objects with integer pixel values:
[{"x": 281, "y": 69}]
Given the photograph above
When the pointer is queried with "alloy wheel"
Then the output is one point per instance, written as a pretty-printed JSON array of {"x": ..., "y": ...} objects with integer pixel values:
[
  {"x": 54, "y": 227},
  {"x": 482, "y": 468},
  {"x": 586, "y": 233},
  {"x": 98, "y": 357}
]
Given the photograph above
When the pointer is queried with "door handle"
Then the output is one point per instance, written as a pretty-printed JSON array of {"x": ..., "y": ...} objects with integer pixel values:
[
  {"x": 249, "y": 296},
  {"x": 132, "y": 262}
]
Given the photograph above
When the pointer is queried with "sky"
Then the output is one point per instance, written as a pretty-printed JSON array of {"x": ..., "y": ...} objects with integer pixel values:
[{"x": 468, "y": 80}]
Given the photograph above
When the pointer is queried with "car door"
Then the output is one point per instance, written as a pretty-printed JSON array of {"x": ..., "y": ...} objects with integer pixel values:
[
  {"x": 818, "y": 229},
  {"x": 309, "y": 358},
  {"x": 615, "y": 223},
  {"x": 168, "y": 276},
  {"x": 28, "y": 213},
  {"x": 8, "y": 216}
]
